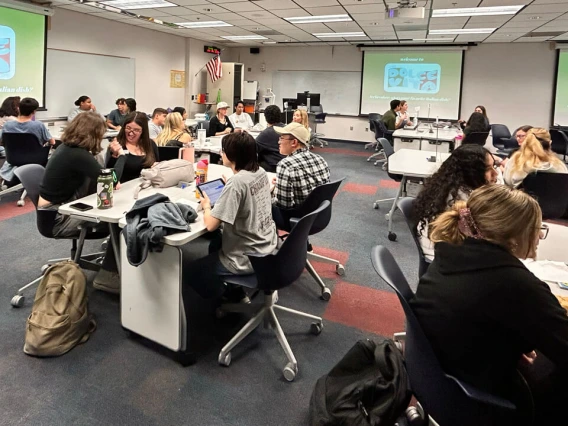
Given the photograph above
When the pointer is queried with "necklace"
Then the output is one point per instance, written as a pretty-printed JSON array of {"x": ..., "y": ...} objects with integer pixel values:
[{"x": 134, "y": 149}]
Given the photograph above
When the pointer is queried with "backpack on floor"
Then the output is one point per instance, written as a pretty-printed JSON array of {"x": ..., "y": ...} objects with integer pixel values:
[
  {"x": 60, "y": 319},
  {"x": 369, "y": 386}
]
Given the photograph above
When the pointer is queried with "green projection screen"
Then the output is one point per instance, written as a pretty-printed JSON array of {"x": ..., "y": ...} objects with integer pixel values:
[
  {"x": 420, "y": 77},
  {"x": 22, "y": 54},
  {"x": 561, "y": 103}
]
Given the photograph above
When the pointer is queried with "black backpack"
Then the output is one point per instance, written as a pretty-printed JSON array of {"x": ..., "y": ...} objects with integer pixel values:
[{"x": 369, "y": 386}]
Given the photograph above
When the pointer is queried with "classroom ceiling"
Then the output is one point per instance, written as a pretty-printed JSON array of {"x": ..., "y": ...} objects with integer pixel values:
[{"x": 537, "y": 21}]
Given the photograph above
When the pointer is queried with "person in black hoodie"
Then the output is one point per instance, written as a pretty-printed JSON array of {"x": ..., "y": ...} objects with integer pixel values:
[{"x": 484, "y": 312}]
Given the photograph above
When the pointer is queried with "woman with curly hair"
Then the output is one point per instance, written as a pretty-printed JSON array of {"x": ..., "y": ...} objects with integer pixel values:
[
  {"x": 477, "y": 123},
  {"x": 468, "y": 168}
]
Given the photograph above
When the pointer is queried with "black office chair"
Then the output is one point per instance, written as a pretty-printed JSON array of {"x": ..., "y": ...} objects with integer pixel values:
[
  {"x": 315, "y": 136},
  {"x": 271, "y": 273},
  {"x": 383, "y": 131},
  {"x": 166, "y": 153},
  {"x": 502, "y": 139},
  {"x": 406, "y": 206},
  {"x": 389, "y": 150},
  {"x": 559, "y": 142},
  {"x": 475, "y": 138},
  {"x": 205, "y": 125},
  {"x": 551, "y": 192},
  {"x": 31, "y": 176},
  {"x": 447, "y": 399},
  {"x": 21, "y": 149},
  {"x": 374, "y": 118}
]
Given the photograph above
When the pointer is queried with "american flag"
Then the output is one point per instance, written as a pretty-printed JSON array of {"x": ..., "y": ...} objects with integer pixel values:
[{"x": 214, "y": 68}]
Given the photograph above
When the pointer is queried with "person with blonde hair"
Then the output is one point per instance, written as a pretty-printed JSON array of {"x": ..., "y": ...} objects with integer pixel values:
[
  {"x": 534, "y": 156},
  {"x": 174, "y": 133},
  {"x": 301, "y": 116},
  {"x": 484, "y": 313}
]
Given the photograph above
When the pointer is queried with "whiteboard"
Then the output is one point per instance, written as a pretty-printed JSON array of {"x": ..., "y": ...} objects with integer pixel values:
[
  {"x": 72, "y": 74},
  {"x": 340, "y": 90}
]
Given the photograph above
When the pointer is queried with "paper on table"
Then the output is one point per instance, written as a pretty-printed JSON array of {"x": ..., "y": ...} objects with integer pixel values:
[{"x": 547, "y": 270}]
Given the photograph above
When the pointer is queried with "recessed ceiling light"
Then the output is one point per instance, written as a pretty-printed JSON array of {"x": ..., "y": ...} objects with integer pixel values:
[
  {"x": 138, "y": 4},
  {"x": 207, "y": 10},
  {"x": 320, "y": 18},
  {"x": 476, "y": 11},
  {"x": 204, "y": 24},
  {"x": 268, "y": 42},
  {"x": 339, "y": 35},
  {"x": 245, "y": 37},
  {"x": 374, "y": 23},
  {"x": 463, "y": 31}
]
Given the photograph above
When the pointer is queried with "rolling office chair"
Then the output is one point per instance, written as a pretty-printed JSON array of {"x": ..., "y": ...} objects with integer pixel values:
[
  {"x": 375, "y": 127},
  {"x": 315, "y": 137},
  {"x": 389, "y": 150},
  {"x": 447, "y": 399},
  {"x": 271, "y": 273},
  {"x": 31, "y": 176},
  {"x": 406, "y": 206},
  {"x": 502, "y": 139},
  {"x": 373, "y": 116},
  {"x": 551, "y": 192},
  {"x": 559, "y": 142},
  {"x": 383, "y": 131},
  {"x": 168, "y": 153},
  {"x": 475, "y": 138},
  {"x": 22, "y": 149}
]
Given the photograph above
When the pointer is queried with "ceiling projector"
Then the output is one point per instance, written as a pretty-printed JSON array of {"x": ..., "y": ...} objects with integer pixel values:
[{"x": 406, "y": 10}]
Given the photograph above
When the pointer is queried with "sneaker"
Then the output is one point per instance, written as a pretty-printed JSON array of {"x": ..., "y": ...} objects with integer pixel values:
[
  {"x": 107, "y": 281},
  {"x": 235, "y": 294}
]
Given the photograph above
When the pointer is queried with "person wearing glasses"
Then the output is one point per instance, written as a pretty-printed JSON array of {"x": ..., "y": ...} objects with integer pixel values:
[
  {"x": 298, "y": 174},
  {"x": 133, "y": 140},
  {"x": 468, "y": 168},
  {"x": 487, "y": 317},
  {"x": 535, "y": 155}
]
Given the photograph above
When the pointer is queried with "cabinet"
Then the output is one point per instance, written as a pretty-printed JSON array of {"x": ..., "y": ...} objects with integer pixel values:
[{"x": 231, "y": 85}]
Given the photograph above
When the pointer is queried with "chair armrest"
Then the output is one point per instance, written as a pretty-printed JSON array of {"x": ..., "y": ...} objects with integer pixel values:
[
  {"x": 482, "y": 396},
  {"x": 85, "y": 219}
]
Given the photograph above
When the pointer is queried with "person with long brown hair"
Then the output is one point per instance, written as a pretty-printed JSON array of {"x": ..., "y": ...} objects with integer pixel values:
[
  {"x": 174, "y": 133},
  {"x": 134, "y": 140},
  {"x": 534, "y": 156},
  {"x": 485, "y": 314}
]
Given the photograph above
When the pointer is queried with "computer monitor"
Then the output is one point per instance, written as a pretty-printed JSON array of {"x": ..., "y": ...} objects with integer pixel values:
[
  {"x": 302, "y": 99},
  {"x": 314, "y": 99},
  {"x": 291, "y": 102}
]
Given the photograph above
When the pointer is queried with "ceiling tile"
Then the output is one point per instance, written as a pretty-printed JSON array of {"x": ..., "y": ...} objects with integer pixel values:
[
  {"x": 275, "y": 4},
  {"x": 344, "y": 26},
  {"x": 448, "y": 4},
  {"x": 330, "y": 10},
  {"x": 189, "y": 2},
  {"x": 316, "y": 3},
  {"x": 241, "y": 7},
  {"x": 314, "y": 28},
  {"x": 290, "y": 13},
  {"x": 465, "y": 38},
  {"x": 546, "y": 8},
  {"x": 366, "y": 8},
  {"x": 531, "y": 39},
  {"x": 257, "y": 15},
  {"x": 208, "y": 9},
  {"x": 368, "y": 17},
  {"x": 493, "y": 20}
]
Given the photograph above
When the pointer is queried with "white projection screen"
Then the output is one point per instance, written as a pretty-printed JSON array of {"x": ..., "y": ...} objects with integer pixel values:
[{"x": 423, "y": 78}]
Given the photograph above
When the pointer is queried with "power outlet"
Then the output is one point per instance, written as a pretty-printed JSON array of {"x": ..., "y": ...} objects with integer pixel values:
[
  {"x": 366, "y": 129},
  {"x": 351, "y": 128},
  {"x": 192, "y": 97}
]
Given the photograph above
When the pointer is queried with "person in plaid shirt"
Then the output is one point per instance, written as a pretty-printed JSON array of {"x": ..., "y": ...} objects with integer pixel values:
[{"x": 298, "y": 174}]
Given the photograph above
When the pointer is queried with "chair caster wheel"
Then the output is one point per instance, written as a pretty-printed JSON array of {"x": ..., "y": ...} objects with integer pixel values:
[
  {"x": 387, "y": 216},
  {"x": 21, "y": 203},
  {"x": 104, "y": 245},
  {"x": 290, "y": 372},
  {"x": 392, "y": 236},
  {"x": 18, "y": 301},
  {"x": 44, "y": 268},
  {"x": 326, "y": 294},
  {"x": 385, "y": 167},
  {"x": 225, "y": 360},
  {"x": 340, "y": 270},
  {"x": 376, "y": 206},
  {"x": 368, "y": 159},
  {"x": 220, "y": 313},
  {"x": 316, "y": 328}
]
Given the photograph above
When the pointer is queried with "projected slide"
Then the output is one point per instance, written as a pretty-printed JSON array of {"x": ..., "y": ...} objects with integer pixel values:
[
  {"x": 421, "y": 78},
  {"x": 22, "y": 50},
  {"x": 561, "y": 103}
]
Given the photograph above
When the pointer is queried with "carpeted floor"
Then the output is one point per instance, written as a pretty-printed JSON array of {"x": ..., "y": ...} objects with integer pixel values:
[{"x": 114, "y": 379}]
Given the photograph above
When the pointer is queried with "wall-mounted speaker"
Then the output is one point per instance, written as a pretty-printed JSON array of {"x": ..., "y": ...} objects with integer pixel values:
[{"x": 254, "y": 50}]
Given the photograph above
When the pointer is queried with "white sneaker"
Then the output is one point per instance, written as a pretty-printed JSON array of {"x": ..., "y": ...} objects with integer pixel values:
[{"x": 107, "y": 281}]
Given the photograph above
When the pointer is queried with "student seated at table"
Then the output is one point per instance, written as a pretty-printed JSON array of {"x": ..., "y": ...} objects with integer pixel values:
[
  {"x": 174, "y": 133},
  {"x": 182, "y": 111},
  {"x": 117, "y": 116},
  {"x": 72, "y": 173},
  {"x": 485, "y": 313},
  {"x": 468, "y": 168},
  {"x": 240, "y": 119},
  {"x": 267, "y": 140},
  {"x": 133, "y": 139},
  {"x": 24, "y": 124},
  {"x": 156, "y": 123},
  {"x": 9, "y": 111},
  {"x": 402, "y": 116},
  {"x": 243, "y": 214},
  {"x": 83, "y": 104},
  {"x": 220, "y": 125},
  {"x": 297, "y": 175},
  {"x": 481, "y": 110},
  {"x": 475, "y": 124},
  {"x": 534, "y": 156},
  {"x": 130, "y": 105},
  {"x": 301, "y": 116},
  {"x": 390, "y": 117}
]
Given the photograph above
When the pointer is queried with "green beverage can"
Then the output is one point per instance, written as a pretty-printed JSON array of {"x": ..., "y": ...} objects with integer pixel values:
[{"x": 105, "y": 187}]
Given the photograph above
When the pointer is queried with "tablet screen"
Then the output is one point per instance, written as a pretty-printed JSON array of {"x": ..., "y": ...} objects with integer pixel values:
[{"x": 213, "y": 189}]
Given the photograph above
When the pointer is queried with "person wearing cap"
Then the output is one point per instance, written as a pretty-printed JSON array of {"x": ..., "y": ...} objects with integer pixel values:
[
  {"x": 220, "y": 125},
  {"x": 298, "y": 174}
]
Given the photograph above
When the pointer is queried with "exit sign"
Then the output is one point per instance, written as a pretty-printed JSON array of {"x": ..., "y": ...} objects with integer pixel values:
[{"x": 212, "y": 49}]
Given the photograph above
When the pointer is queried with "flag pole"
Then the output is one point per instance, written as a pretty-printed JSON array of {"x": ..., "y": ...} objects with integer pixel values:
[{"x": 200, "y": 69}]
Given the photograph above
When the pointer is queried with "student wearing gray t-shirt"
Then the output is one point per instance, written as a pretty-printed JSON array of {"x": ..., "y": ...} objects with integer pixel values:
[{"x": 243, "y": 213}]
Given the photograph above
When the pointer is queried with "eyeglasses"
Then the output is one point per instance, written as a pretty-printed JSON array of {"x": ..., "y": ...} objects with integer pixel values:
[
  {"x": 131, "y": 130},
  {"x": 543, "y": 231}
]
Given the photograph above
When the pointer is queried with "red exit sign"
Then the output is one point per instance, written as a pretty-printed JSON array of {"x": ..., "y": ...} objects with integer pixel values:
[{"x": 212, "y": 49}]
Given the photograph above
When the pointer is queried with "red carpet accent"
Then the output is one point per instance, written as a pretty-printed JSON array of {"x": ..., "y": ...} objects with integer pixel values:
[
  {"x": 10, "y": 209},
  {"x": 327, "y": 270},
  {"x": 365, "y": 308},
  {"x": 342, "y": 151},
  {"x": 359, "y": 188},
  {"x": 389, "y": 183}
]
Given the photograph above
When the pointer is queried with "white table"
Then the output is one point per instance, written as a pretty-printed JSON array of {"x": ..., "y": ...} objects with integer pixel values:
[
  {"x": 411, "y": 163},
  {"x": 56, "y": 133},
  {"x": 440, "y": 140}
]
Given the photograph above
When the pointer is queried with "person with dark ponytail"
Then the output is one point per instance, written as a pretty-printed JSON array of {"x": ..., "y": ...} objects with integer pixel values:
[
  {"x": 83, "y": 104},
  {"x": 490, "y": 321}
]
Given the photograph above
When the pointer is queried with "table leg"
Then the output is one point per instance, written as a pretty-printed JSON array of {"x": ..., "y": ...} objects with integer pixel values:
[
  {"x": 392, "y": 235},
  {"x": 114, "y": 236}
]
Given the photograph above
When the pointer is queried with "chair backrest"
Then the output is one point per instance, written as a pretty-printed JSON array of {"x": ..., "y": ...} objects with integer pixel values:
[
  {"x": 275, "y": 271},
  {"x": 386, "y": 133},
  {"x": 406, "y": 206},
  {"x": 321, "y": 193},
  {"x": 500, "y": 131},
  {"x": 316, "y": 108},
  {"x": 387, "y": 146},
  {"x": 374, "y": 116},
  {"x": 204, "y": 125},
  {"x": 551, "y": 192},
  {"x": 168, "y": 153},
  {"x": 24, "y": 148},
  {"x": 559, "y": 141},
  {"x": 476, "y": 138}
]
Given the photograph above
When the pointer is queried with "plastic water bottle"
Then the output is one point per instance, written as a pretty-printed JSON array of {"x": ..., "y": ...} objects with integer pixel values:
[{"x": 201, "y": 175}]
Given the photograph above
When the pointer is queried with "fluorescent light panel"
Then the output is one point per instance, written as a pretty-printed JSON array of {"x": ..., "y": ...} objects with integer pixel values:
[
  {"x": 204, "y": 24},
  {"x": 320, "y": 18},
  {"x": 246, "y": 37},
  {"x": 138, "y": 4},
  {"x": 463, "y": 31},
  {"x": 476, "y": 11},
  {"x": 339, "y": 35},
  {"x": 269, "y": 42}
]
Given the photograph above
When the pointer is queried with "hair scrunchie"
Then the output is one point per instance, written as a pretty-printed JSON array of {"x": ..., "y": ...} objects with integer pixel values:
[{"x": 467, "y": 225}]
